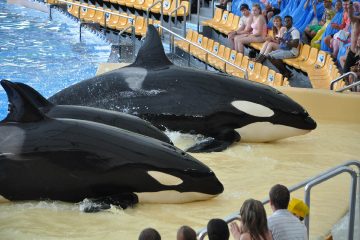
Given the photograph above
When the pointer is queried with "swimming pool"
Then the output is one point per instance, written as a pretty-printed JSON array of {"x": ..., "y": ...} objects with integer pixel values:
[{"x": 45, "y": 54}]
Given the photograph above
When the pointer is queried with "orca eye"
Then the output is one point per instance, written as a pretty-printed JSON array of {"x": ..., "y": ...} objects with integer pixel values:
[
  {"x": 253, "y": 109},
  {"x": 165, "y": 179}
]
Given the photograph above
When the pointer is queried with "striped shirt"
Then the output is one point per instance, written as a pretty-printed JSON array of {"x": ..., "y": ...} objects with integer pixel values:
[{"x": 284, "y": 226}]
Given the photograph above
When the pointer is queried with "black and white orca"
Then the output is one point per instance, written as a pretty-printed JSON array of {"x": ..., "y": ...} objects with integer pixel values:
[
  {"x": 216, "y": 105},
  {"x": 112, "y": 118},
  {"x": 70, "y": 160}
]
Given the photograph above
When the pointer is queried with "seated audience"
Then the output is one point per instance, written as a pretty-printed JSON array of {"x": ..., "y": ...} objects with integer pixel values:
[
  {"x": 223, "y": 4},
  {"x": 186, "y": 233},
  {"x": 258, "y": 34},
  {"x": 253, "y": 223},
  {"x": 329, "y": 13},
  {"x": 288, "y": 48},
  {"x": 283, "y": 225},
  {"x": 335, "y": 42},
  {"x": 244, "y": 24},
  {"x": 149, "y": 234},
  {"x": 218, "y": 229},
  {"x": 270, "y": 10},
  {"x": 272, "y": 43}
]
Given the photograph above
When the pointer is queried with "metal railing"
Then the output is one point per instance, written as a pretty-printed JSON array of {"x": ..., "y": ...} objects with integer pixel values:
[
  {"x": 184, "y": 23},
  {"x": 234, "y": 216},
  {"x": 132, "y": 38},
  {"x": 198, "y": 15},
  {"x": 96, "y": 9},
  {"x": 161, "y": 11},
  {"x": 207, "y": 52},
  {"x": 341, "y": 78}
]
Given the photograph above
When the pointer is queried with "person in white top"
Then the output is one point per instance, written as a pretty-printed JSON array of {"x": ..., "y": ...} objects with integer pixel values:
[
  {"x": 283, "y": 225},
  {"x": 244, "y": 24}
]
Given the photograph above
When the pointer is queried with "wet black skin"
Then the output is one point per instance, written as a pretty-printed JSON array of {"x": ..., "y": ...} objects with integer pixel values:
[
  {"x": 183, "y": 99},
  {"x": 69, "y": 160},
  {"x": 112, "y": 118}
]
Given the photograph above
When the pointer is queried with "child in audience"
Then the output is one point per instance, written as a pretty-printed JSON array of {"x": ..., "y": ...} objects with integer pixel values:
[
  {"x": 253, "y": 224},
  {"x": 272, "y": 43},
  {"x": 218, "y": 229}
]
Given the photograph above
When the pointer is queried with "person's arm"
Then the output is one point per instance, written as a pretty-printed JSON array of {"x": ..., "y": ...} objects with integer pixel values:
[
  {"x": 235, "y": 231},
  {"x": 306, "y": 4}
]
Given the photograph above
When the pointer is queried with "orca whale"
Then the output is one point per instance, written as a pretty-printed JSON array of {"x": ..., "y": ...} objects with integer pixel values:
[
  {"x": 70, "y": 160},
  {"x": 215, "y": 105},
  {"x": 112, "y": 118}
]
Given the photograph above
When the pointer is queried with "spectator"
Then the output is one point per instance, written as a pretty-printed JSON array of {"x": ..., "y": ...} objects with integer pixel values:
[
  {"x": 253, "y": 224},
  {"x": 272, "y": 43},
  {"x": 149, "y": 234},
  {"x": 329, "y": 13},
  {"x": 283, "y": 225},
  {"x": 270, "y": 10},
  {"x": 186, "y": 233},
  {"x": 223, "y": 4},
  {"x": 259, "y": 30},
  {"x": 244, "y": 24},
  {"x": 218, "y": 229},
  {"x": 288, "y": 48},
  {"x": 335, "y": 42}
]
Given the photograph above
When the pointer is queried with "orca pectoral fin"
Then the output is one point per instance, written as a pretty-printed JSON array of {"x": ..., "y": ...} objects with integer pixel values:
[
  {"x": 122, "y": 200},
  {"x": 222, "y": 141}
]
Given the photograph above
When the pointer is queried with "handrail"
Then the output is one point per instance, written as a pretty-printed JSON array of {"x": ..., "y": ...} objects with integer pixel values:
[
  {"x": 101, "y": 10},
  {"x": 153, "y": 5},
  {"x": 203, "y": 231},
  {"x": 340, "y": 78},
  {"x": 325, "y": 177},
  {"x": 349, "y": 86},
  {"x": 207, "y": 51},
  {"x": 184, "y": 33},
  {"x": 132, "y": 37}
]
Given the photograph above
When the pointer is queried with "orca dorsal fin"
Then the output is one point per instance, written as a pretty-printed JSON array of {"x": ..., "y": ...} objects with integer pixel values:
[
  {"x": 21, "y": 109},
  {"x": 151, "y": 54},
  {"x": 34, "y": 96}
]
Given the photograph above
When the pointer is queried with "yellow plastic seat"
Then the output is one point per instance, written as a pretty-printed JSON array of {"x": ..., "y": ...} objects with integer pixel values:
[
  {"x": 73, "y": 10},
  {"x": 325, "y": 70},
  {"x": 231, "y": 58},
  {"x": 257, "y": 45},
  {"x": 138, "y": 4},
  {"x": 319, "y": 65},
  {"x": 100, "y": 16},
  {"x": 123, "y": 22},
  {"x": 222, "y": 21},
  {"x": 83, "y": 11},
  {"x": 263, "y": 74},
  {"x": 198, "y": 42},
  {"x": 166, "y": 6},
  {"x": 228, "y": 22},
  {"x": 147, "y": 4},
  {"x": 139, "y": 26},
  {"x": 113, "y": 20},
  {"x": 237, "y": 61},
  {"x": 130, "y": 3},
  {"x": 270, "y": 78},
  {"x": 203, "y": 56},
  {"x": 121, "y": 2},
  {"x": 182, "y": 44},
  {"x": 197, "y": 51},
  {"x": 90, "y": 15},
  {"x": 279, "y": 79},
  {"x": 220, "y": 64},
  {"x": 303, "y": 56},
  {"x": 193, "y": 39},
  {"x": 172, "y": 7},
  {"x": 212, "y": 60},
  {"x": 215, "y": 19},
  {"x": 214, "y": 50},
  {"x": 181, "y": 11},
  {"x": 112, "y": 1},
  {"x": 253, "y": 70},
  {"x": 310, "y": 62},
  {"x": 234, "y": 26},
  {"x": 244, "y": 65}
]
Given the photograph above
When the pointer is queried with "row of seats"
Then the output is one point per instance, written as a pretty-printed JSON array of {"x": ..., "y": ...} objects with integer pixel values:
[
  {"x": 256, "y": 71},
  {"x": 143, "y": 5},
  {"x": 111, "y": 21},
  {"x": 223, "y": 21}
]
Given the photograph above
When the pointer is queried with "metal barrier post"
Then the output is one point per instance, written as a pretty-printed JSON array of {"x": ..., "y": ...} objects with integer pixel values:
[
  {"x": 325, "y": 177},
  {"x": 340, "y": 78},
  {"x": 198, "y": 15}
]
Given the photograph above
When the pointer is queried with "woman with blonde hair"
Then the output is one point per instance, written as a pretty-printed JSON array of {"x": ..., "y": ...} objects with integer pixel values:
[
  {"x": 272, "y": 43},
  {"x": 259, "y": 30},
  {"x": 253, "y": 223}
]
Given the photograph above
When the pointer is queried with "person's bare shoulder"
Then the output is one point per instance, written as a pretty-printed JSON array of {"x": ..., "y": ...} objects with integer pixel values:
[{"x": 245, "y": 236}]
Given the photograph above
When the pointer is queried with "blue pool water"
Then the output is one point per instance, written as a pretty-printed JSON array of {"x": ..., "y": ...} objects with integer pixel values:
[{"x": 45, "y": 54}]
